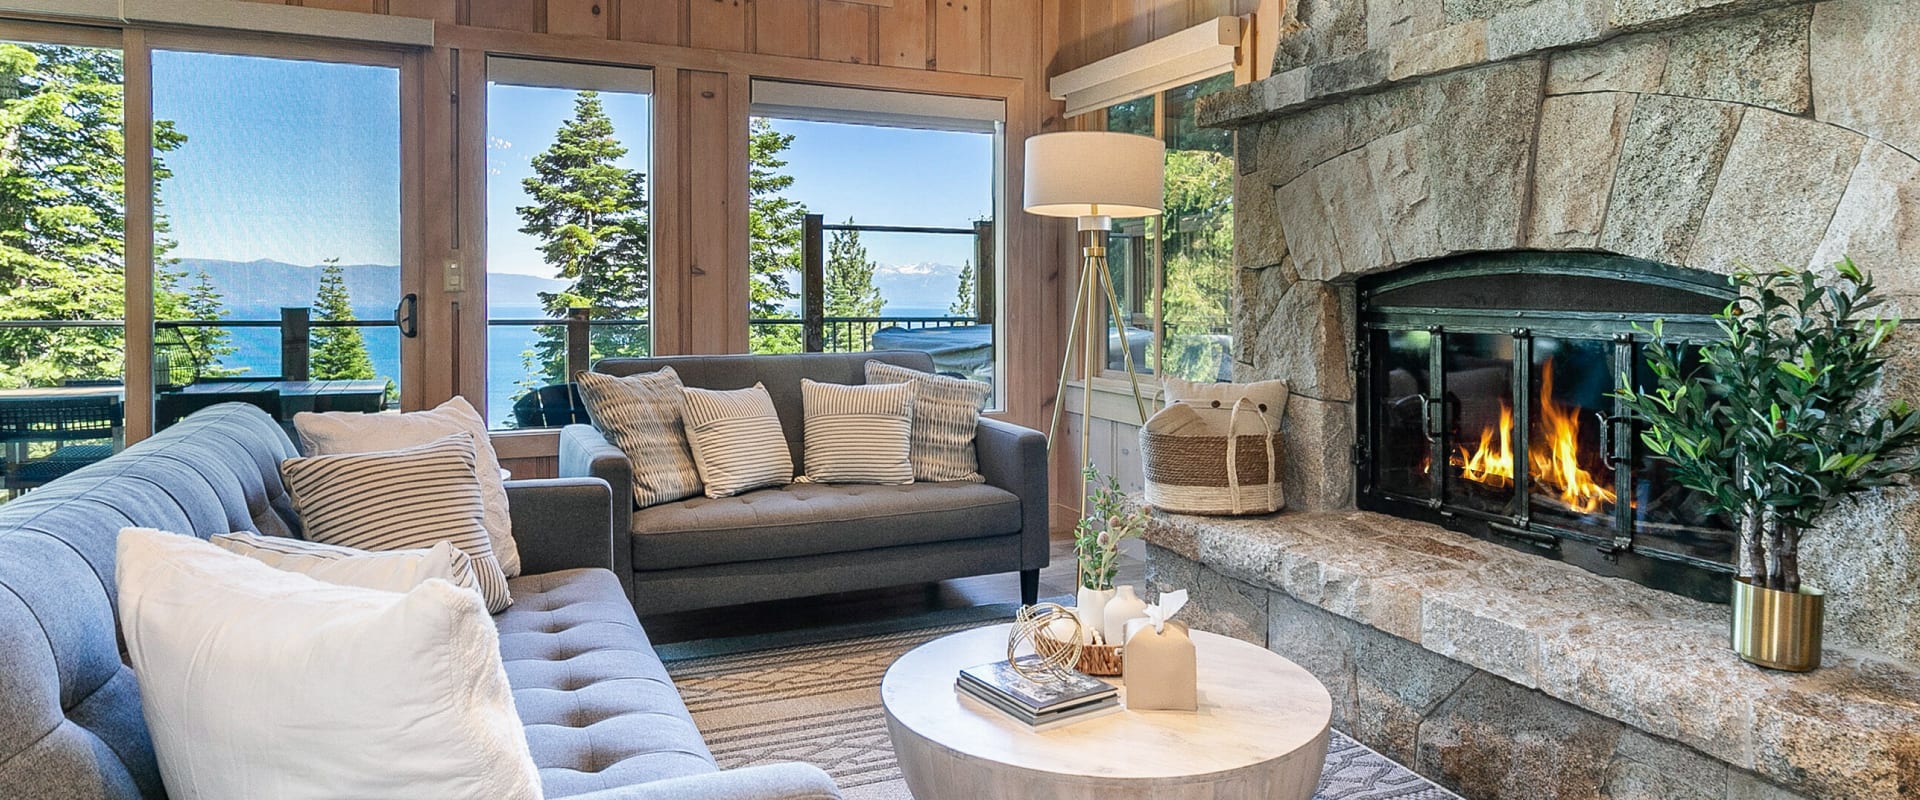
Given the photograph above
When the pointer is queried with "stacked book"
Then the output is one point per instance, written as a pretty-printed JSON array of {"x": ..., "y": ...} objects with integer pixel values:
[{"x": 1063, "y": 698}]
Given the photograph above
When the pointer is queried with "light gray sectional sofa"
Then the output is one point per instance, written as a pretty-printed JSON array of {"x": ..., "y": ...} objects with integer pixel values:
[
  {"x": 806, "y": 538},
  {"x": 602, "y": 717}
]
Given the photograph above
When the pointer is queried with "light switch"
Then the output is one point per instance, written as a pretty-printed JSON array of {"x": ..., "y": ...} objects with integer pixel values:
[{"x": 456, "y": 277}]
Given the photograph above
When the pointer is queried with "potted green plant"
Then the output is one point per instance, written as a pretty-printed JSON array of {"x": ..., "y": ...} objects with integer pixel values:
[
  {"x": 1776, "y": 425},
  {"x": 1096, "y": 547}
]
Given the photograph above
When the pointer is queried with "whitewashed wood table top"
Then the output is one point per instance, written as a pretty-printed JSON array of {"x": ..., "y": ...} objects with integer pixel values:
[{"x": 1255, "y": 707}]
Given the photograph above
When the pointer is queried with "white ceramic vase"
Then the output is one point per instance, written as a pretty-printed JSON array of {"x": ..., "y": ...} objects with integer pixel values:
[
  {"x": 1091, "y": 607},
  {"x": 1125, "y": 605}
]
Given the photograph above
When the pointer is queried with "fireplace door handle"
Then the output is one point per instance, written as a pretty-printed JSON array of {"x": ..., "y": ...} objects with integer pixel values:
[
  {"x": 1607, "y": 423},
  {"x": 1430, "y": 414}
]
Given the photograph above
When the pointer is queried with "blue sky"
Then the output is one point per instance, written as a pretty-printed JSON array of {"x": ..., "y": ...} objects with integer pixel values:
[
  {"x": 295, "y": 161},
  {"x": 299, "y": 161}
]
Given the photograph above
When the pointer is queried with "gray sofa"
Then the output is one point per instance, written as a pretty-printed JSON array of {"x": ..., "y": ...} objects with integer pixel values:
[
  {"x": 807, "y": 539},
  {"x": 602, "y": 718}
]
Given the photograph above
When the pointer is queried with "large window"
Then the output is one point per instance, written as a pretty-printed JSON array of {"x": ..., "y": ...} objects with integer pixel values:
[
  {"x": 1172, "y": 272},
  {"x": 872, "y": 224},
  {"x": 568, "y": 234},
  {"x": 62, "y": 260},
  {"x": 277, "y": 245}
]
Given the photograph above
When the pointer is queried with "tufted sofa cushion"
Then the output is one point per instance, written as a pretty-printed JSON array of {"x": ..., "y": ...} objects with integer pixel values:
[
  {"x": 803, "y": 519},
  {"x": 599, "y": 709}
]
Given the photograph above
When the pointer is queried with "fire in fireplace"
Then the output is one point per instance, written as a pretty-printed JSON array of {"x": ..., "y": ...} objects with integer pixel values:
[{"x": 1487, "y": 383}]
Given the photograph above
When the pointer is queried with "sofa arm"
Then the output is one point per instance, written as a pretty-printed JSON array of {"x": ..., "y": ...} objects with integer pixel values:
[
  {"x": 1015, "y": 459},
  {"x": 584, "y": 453},
  {"x": 562, "y": 523},
  {"x": 767, "y": 782}
]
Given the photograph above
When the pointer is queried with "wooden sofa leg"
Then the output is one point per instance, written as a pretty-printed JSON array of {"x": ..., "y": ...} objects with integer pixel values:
[{"x": 1029, "y": 586}]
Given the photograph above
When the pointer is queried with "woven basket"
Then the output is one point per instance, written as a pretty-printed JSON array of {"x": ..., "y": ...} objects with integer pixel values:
[
  {"x": 1095, "y": 659},
  {"x": 1194, "y": 465}
]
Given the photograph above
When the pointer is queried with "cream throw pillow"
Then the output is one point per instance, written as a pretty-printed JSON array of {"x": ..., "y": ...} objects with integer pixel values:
[
  {"x": 858, "y": 434},
  {"x": 389, "y": 571},
  {"x": 399, "y": 500},
  {"x": 737, "y": 441},
  {"x": 946, "y": 417},
  {"x": 1268, "y": 397},
  {"x": 257, "y": 682},
  {"x": 340, "y": 432},
  {"x": 642, "y": 414}
]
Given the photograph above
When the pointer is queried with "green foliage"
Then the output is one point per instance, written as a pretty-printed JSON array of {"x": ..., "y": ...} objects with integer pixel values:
[
  {"x": 774, "y": 228},
  {"x": 963, "y": 299},
  {"x": 195, "y": 350},
  {"x": 590, "y": 216},
  {"x": 62, "y": 211},
  {"x": 337, "y": 353},
  {"x": 1779, "y": 423},
  {"x": 849, "y": 290},
  {"x": 1097, "y": 537},
  {"x": 1198, "y": 247}
]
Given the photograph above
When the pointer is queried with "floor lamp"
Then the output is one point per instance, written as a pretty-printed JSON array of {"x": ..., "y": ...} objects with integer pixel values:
[{"x": 1094, "y": 176}]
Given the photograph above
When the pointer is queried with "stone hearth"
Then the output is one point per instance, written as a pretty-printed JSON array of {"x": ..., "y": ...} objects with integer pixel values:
[{"x": 1697, "y": 133}]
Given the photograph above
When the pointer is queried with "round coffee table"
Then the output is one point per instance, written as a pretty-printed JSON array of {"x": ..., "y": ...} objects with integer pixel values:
[{"x": 1260, "y": 732}]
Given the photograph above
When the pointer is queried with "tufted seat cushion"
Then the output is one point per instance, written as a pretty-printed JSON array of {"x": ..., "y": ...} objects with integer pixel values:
[
  {"x": 804, "y": 519},
  {"x": 599, "y": 709}
]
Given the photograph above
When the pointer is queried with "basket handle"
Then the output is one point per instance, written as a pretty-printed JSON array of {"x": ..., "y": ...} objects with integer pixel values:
[{"x": 1233, "y": 454}]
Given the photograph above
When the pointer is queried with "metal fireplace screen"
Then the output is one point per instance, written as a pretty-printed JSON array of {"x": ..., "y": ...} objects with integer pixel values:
[{"x": 1488, "y": 386}]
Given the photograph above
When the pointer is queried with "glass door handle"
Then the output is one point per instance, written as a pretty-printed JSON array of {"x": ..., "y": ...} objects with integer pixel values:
[{"x": 406, "y": 316}]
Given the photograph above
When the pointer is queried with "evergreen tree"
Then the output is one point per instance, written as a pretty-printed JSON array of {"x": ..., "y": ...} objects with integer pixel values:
[
  {"x": 338, "y": 353},
  {"x": 62, "y": 211},
  {"x": 196, "y": 352},
  {"x": 963, "y": 300},
  {"x": 590, "y": 215},
  {"x": 849, "y": 290},
  {"x": 774, "y": 227},
  {"x": 1199, "y": 261}
]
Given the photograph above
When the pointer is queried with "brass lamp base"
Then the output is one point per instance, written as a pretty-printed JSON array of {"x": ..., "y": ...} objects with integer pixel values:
[
  {"x": 1778, "y": 630},
  {"x": 1096, "y": 294}
]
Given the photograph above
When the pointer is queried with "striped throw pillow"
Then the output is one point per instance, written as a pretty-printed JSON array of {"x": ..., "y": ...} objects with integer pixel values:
[
  {"x": 946, "y": 413},
  {"x": 388, "y": 571},
  {"x": 858, "y": 434},
  {"x": 400, "y": 500},
  {"x": 642, "y": 414},
  {"x": 736, "y": 438}
]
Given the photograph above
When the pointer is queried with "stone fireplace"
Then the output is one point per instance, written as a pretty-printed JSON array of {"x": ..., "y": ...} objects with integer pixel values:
[{"x": 1448, "y": 215}]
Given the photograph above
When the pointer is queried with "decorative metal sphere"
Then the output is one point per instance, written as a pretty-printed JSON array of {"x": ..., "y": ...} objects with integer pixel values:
[{"x": 1033, "y": 627}]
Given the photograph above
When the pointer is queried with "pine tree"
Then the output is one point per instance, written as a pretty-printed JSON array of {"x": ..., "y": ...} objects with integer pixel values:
[
  {"x": 774, "y": 227},
  {"x": 849, "y": 290},
  {"x": 338, "y": 353},
  {"x": 963, "y": 300},
  {"x": 590, "y": 215},
  {"x": 62, "y": 211},
  {"x": 1199, "y": 259}
]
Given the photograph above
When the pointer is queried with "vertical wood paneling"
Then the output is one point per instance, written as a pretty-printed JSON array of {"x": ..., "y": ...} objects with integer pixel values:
[
  {"x": 513, "y": 15},
  {"x": 1096, "y": 31},
  {"x": 655, "y": 21},
  {"x": 782, "y": 27},
  {"x": 733, "y": 279},
  {"x": 669, "y": 213},
  {"x": 441, "y": 10},
  {"x": 137, "y": 102},
  {"x": 1013, "y": 37},
  {"x": 705, "y": 179},
  {"x": 903, "y": 34},
  {"x": 578, "y": 17},
  {"x": 717, "y": 24},
  {"x": 845, "y": 32},
  {"x": 1169, "y": 17},
  {"x": 960, "y": 41},
  {"x": 1136, "y": 22},
  {"x": 1203, "y": 10}
]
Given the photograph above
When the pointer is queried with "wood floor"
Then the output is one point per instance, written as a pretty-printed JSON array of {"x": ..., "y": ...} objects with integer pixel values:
[{"x": 881, "y": 604}]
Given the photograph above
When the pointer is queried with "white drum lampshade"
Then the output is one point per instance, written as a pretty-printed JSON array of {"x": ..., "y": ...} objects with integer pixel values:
[{"x": 1095, "y": 174}]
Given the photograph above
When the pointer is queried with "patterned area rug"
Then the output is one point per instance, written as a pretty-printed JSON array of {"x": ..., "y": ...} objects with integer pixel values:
[{"x": 766, "y": 699}]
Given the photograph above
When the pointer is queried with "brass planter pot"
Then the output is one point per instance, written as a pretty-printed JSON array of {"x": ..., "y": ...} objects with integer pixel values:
[{"x": 1778, "y": 630}]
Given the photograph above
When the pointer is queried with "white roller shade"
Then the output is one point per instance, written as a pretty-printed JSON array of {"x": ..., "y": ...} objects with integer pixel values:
[
  {"x": 1202, "y": 51},
  {"x": 228, "y": 15},
  {"x": 876, "y": 107},
  {"x": 562, "y": 75}
]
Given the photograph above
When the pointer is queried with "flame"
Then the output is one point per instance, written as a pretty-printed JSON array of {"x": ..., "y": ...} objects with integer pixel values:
[{"x": 1556, "y": 467}]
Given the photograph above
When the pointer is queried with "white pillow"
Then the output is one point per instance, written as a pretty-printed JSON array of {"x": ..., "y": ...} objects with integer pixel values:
[
  {"x": 1268, "y": 397},
  {"x": 858, "y": 434},
  {"x": 261, "y": 683},
  {"x": 340, "y": 432},
  {"x": 737, "y": 441},
  {"x": 388, "y": 571}
]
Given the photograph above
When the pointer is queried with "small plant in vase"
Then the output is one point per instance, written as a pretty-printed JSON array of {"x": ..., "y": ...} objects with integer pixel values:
[
  {"x": 1775, "y": 428},
  {"x": 1096, "y": 549}
]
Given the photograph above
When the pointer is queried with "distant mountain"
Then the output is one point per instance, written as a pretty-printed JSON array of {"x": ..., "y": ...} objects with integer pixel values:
[
  {"x": 917, "y": 286},
  {"x": 259, "y": 289}
]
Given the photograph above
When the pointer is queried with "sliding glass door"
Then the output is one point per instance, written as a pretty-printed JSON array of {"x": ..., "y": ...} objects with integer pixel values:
[{"x": 277, "y": 233}]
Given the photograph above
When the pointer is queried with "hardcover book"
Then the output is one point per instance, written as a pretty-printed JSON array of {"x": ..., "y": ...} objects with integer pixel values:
[{"x": 1036, "y": 696}]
